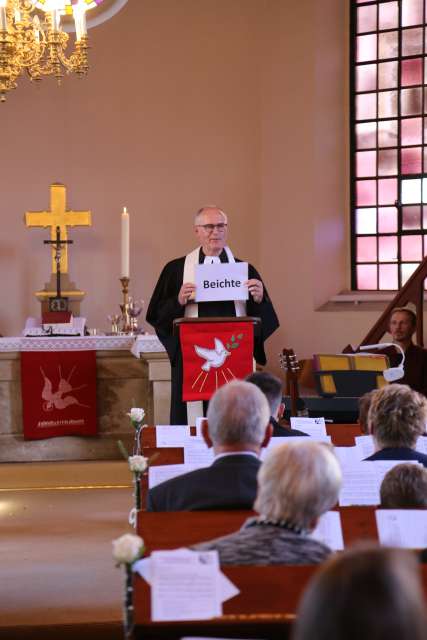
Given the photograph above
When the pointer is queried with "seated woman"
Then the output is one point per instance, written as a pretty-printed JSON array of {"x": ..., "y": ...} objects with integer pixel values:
[
  {"x": 297, "y": 483},
  {"x": 397, "y": 417},
  {"x": 364, "y": 593},
  {"x": 405, "y": 487}
]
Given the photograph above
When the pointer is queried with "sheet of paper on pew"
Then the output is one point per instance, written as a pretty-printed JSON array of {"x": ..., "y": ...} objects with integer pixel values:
[
  {"x": 312, "y": 426},
  {"x": 362, "y": 481},
  {"x": 366, "y": 446},
  {"x": 185, "y": 584},
  {"x": 171, "y": 435},
  {"x": 347, "y": 455},
  {"x": 275, "y": 442},
  {"x": 161, "y": 473},
  {"x": 402, "y": 527},
  {"x": 197, "y": 452},
  {"x": 329, "y": 531}
]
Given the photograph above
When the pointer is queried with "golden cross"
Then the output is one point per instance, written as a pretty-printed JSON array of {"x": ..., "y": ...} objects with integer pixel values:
[{"x": 58, "y": 216}]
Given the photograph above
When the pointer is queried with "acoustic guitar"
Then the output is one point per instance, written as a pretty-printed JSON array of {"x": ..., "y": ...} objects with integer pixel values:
[{"x": 289, "y": 363}]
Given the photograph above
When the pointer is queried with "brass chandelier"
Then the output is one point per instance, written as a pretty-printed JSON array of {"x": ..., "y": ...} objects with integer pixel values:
[{"x": 32, "y": 40}]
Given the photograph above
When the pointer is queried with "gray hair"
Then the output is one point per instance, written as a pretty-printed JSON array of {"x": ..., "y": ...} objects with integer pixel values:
[
  {"x": 201, "y": 211},
  {"x": 238, "y": 413},
  {"x": 397, "y": 416},
  {"x": 298, "y": 482},
  {"x": 404, "y": 486}
]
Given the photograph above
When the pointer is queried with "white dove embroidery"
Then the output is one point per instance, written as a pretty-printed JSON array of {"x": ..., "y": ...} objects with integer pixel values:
[{"x": 214, "y": 357}]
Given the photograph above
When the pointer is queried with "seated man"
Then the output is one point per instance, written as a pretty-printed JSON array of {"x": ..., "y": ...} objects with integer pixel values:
[
  {"x": 272, "y": 389},
  {"x": 404, "y": 487},
  {"x": 397, "y": 417},
  {"x": 403, "y": 323},
  {"x": 237, "y": 427},
  {"x": 297, "y": 483}
]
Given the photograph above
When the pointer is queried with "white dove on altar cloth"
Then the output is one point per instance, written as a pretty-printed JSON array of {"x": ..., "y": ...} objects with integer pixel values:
[
  {"x": 214, "y": 357},
  {"x": 56, "y": 400}
]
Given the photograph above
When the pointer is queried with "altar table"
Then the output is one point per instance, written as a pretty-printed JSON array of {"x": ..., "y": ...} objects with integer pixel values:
[{"x": 124, "y": 380}]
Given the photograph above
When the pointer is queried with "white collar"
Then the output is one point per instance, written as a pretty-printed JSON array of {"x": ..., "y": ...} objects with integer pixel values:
[{"x": 236, "y": 453}]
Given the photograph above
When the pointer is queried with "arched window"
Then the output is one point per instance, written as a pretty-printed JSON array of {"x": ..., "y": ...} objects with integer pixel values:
[{"x": 388, "y": 141}]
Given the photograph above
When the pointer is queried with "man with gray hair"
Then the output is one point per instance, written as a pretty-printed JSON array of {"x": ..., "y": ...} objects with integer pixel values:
[
  {"x": 237, "y": 427},
  {"x": 174, "y": 297}
]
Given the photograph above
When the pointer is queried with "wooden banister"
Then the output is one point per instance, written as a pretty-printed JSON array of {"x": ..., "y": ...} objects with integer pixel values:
[{"x": 412, "y": 291}]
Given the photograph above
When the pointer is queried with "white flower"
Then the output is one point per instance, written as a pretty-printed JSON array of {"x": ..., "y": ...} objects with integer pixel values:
[
  {"x": 137, "y": 415},
  {"x": 127, "y": 548},
  {"x": 138, "y": 464}
]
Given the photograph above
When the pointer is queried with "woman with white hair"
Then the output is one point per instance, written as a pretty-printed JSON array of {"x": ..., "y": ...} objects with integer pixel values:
[{"x": 297, "y": 483}]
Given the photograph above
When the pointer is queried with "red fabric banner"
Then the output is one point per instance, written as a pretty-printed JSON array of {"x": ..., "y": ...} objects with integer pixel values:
[
  {"x": 214, "y": 353},
  {"x": 58, "y": 393}
]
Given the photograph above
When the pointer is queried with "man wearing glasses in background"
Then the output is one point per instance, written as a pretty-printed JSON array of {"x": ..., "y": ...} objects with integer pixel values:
[{"x": 173, "y": 297}]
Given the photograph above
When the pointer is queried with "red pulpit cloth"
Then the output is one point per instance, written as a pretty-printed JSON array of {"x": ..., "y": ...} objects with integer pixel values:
[
  {"x": 214, "y": 353},
  {"x": 58, "y": 393}
]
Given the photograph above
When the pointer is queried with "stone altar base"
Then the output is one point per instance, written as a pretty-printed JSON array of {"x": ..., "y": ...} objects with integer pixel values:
[{"x": 123, "y": 381}]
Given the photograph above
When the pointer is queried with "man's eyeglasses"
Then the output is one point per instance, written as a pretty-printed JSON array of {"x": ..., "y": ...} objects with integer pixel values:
[{"x": 221, "y": 226}]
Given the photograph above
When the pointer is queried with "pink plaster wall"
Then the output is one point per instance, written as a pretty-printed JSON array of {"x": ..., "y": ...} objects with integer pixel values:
[{"x": 237, "y": 102}]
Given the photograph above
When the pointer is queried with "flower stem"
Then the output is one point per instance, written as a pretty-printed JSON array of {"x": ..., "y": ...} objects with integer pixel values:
[{"x": 128, "y": 604}]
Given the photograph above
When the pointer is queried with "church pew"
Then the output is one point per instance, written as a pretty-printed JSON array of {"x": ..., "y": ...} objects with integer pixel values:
[
  {"x": 342, "y": 435},
  {"x": 190, "y": 527},
  {"x": 265, "y": 607}
]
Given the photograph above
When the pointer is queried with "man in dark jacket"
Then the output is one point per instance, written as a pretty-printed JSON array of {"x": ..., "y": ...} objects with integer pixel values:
[
  {"x": 272, "y": 389},
  {"x": 237, "y": 427}
]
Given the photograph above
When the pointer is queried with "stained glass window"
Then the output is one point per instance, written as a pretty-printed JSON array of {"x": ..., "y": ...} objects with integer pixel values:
[{"x": 389, "y": 141}]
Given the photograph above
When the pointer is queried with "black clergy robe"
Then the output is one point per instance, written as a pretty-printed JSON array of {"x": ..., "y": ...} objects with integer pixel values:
[{"x": 164, "y": 308}]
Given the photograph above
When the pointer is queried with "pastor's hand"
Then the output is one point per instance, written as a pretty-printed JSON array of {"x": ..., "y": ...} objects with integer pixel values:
[
  {"x": 186, "y": 292},
  {"x": 256, "y": 289}
]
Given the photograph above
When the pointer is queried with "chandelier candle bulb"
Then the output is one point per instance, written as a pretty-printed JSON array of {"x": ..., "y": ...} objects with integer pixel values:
[
  {"x": 79, "y": 14},
  {"x": 3, "y": 21},
  {"x": 36, "y": 25},
  {"x": 125, "y": 243}
]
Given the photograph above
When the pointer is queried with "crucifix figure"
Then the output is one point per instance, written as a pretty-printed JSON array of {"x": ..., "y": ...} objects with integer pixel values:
[{"x": 59, "y": 303}]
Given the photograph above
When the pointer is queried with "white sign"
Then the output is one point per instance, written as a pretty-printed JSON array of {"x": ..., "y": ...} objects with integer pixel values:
[{"x": 221, "y": 281}]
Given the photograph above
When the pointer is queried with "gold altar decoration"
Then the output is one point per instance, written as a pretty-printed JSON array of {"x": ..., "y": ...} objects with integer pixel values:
[
  {"x": 32, "y": 40},
  {"x": 58, "y": 216}
]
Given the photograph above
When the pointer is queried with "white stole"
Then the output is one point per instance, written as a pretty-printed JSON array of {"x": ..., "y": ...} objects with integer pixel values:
[
  {"x": 195, "y": 409},
  {"x": 191, "y": 260}
]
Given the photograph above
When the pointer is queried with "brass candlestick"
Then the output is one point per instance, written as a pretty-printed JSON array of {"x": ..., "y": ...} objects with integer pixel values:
[{"x": 126, "y": 325}]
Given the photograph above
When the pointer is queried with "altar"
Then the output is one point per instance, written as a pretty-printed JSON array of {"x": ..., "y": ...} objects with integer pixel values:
[{"x": 131, "y": 372}]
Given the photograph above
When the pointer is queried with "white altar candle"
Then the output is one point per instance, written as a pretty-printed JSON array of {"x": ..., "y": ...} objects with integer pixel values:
[{"x": 125, "y": 244}]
